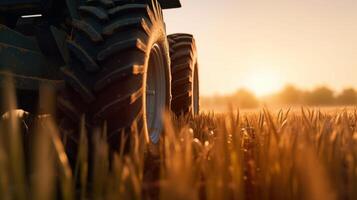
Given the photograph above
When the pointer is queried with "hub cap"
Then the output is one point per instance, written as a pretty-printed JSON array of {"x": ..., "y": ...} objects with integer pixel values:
[{"x": 155, "y": 93}]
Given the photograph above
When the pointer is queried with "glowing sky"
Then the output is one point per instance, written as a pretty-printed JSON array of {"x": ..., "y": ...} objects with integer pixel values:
[{"x": 264, "y": 44}]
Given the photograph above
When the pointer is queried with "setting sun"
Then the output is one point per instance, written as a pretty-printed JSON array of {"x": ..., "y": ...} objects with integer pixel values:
[{"x": 263, "y": 81}]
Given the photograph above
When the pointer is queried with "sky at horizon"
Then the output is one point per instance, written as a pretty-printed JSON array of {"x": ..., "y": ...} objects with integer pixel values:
[{"x": 263, "y": 45}]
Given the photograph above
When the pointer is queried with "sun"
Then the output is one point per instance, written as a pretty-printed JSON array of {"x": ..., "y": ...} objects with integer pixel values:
[{"x": 264, "y": 81}]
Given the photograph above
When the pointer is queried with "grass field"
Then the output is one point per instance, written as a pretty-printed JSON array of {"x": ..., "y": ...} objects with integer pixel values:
[{"x": 279, "y": 154}]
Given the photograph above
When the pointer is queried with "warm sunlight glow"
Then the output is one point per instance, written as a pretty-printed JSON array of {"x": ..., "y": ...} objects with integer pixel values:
[
  {"x": 264, "y": 81},
  {"x": 307, "y": 43}
]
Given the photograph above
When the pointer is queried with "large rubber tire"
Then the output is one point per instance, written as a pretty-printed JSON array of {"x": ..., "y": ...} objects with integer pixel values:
[
  {"x": 109, "y": 58},
  {"x": 184, "y": 72}
]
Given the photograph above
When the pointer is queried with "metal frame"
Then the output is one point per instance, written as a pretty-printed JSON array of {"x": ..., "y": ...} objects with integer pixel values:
[
  {"x": 25, "y": 7},
  {"x": 21, "y": 7}
]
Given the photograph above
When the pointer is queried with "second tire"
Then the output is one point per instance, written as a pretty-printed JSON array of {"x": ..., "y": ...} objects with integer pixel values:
[{"x": 184, "y": 73}]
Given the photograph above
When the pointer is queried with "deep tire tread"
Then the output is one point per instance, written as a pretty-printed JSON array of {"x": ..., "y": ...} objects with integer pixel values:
[
  {"x": 82, "y": 55},
  {"x": 104, "y": 3},
  {"x": 108, "y": 51},
  {"x": 118, "y": 74},
  {"x": 130, "y": 43},
  {"x": 127, "y": 8},
  {"x": 121, "y": 25},
  {"x": 99, "y": 13},
  {"x": 183, "y": 61},
  {"x": 88, "y": 29},
  {"x": 118, "y": 103}
]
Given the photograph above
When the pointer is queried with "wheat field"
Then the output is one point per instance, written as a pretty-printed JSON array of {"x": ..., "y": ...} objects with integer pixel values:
[{"x": 265, "y": 154}]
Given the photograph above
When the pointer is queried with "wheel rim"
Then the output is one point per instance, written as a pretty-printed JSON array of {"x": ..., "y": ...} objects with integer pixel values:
[
  {"x": 196, "y": 91},
  {"x": 155, "y": 93}
]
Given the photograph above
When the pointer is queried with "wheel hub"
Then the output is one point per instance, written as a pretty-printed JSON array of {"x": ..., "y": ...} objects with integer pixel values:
[{"x": 155, "y": 93}]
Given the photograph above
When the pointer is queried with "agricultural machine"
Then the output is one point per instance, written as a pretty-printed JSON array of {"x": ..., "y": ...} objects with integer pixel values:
[{"x": 109, "y": 60}]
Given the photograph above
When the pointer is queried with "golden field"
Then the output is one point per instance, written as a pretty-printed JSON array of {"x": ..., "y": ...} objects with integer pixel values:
[{"x": 263, "y": 154}]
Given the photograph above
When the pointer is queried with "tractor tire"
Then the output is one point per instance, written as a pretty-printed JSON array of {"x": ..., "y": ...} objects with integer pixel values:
[
  {"x": 119, "y": 68},
  {"x": 184, "y": 73}
]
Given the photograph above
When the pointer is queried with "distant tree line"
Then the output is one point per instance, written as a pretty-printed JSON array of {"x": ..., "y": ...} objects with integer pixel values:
[
  {"x": 324, "y": 96},
  {"x": 289, "y": 95},
  {"x": 242, "y": 98}
]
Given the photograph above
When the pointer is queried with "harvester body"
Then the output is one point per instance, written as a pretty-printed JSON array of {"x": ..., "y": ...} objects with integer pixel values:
[
  {"x": 27, "y": 7},
  {"x": 32, "y": 48}
]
